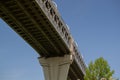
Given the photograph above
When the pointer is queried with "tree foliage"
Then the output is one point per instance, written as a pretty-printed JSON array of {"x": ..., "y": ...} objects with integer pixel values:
[{"x": 97, "y": 70}]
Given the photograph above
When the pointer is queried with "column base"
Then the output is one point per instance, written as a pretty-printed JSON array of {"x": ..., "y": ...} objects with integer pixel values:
[{"x": 56, "y": 68}]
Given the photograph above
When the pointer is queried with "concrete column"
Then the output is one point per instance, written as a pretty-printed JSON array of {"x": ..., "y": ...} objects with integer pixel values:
[{"x": 56, "y": 68}]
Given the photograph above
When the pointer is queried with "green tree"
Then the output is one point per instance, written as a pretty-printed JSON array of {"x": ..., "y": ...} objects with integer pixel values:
[{"x": 98, "y": 69}]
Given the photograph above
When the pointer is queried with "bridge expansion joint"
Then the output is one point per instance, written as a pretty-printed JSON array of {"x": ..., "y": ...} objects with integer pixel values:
[{"x": 56, "y": 68}]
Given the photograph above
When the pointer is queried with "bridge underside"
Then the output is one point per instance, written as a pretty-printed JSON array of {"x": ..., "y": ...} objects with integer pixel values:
[
  {"x": 29, "y": 21},
  {"x": 74, "y": 72}
]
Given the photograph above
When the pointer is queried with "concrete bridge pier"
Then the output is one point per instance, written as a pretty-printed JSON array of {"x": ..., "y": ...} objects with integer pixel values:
[{"x": 56, "y": 68}]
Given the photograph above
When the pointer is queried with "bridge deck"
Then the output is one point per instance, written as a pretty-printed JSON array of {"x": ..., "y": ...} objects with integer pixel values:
[{"x": 38, "y": 22}]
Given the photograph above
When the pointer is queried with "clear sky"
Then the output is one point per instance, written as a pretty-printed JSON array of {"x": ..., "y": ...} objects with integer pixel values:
[{"x": 94, "y": 24}]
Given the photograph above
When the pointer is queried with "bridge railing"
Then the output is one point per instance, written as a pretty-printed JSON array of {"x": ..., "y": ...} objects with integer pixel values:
[
  {"x": 79, "y": 58},
  {"x": 50, "y": 9}
]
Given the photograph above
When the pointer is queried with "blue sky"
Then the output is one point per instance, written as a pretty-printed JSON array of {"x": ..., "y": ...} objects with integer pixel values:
[{"x": 94, "y": 24}]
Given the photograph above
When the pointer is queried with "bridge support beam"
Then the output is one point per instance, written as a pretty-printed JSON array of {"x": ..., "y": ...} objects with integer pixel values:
[{"x": 56, "y": 68}]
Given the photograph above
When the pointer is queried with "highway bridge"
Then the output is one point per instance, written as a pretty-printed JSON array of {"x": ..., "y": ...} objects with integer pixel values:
[{"x": 40, "y": 24}]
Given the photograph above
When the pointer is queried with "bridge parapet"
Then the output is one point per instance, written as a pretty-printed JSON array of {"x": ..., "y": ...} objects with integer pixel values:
[
  {"x": 79, "y": 60},
  {"x": 77, "y": 55},
  {"x": 50, "y": 9}
]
